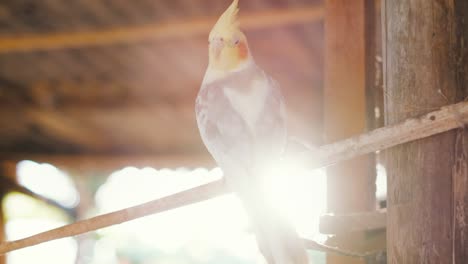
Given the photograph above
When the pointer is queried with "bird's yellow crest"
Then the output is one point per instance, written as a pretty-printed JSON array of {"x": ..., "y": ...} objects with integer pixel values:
[
  {"x": 228, "y": 22},
  {"x": 228, "y": 45}
]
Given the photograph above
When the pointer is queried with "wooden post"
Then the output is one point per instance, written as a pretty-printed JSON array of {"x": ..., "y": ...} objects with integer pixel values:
[
  {"x": 2, "y": 227},
  {"x": 2, "y": 219},
  {"x": 351, "y": 184},
  {"x": 426, "y": 66}
]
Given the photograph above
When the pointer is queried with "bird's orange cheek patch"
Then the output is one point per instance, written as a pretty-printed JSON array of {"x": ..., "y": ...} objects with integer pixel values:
[{"x": 243, "y": 51}]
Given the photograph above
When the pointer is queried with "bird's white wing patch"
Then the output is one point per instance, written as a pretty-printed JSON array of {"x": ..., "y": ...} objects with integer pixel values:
[{"x": 249, "y": 104}]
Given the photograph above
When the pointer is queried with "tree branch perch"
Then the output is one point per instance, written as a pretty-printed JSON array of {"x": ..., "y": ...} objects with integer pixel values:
[
  {"x": 445, "y": 119},
  {"x": 183, "y": 198}
]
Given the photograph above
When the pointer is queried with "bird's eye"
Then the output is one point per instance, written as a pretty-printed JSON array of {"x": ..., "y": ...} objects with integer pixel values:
[{"x": 236, "y": 42}]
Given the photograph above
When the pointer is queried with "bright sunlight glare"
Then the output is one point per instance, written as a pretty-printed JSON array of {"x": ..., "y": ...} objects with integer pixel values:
[
  {"x": 381, "y": 182},
  {"x": 213, "y": 231},
  {"x": 47, "y": 180},
  {"x": 63, "y": 250},
  {"x": 205, "y": 232},
  {"x": 298, "y": 193},
  {"x": 26, "y": 216},
  {"x": 192, "y": 234}
]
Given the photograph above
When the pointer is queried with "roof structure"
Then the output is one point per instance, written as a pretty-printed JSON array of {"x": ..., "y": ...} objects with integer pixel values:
[{"x": 120, "y": 77}]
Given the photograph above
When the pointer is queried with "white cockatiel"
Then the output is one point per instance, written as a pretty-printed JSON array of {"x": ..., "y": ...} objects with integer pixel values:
[{"x": 241, "y": 118}]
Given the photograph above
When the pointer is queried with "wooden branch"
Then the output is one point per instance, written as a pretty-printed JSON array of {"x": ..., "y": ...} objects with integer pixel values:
[
  {"x": 357, "y": 222},
  {"x": 313, "y": 245},
  {"x": 187, "y": 197},
  {"x": 168, "y": 30},
  {"x": 447, "y": 118}
]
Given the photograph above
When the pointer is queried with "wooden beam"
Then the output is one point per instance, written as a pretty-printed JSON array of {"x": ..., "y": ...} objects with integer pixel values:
[
  {"x": 426, "y": 66},
  {"x": 3, "y": 192},
  {"x": 345, "y": 100},
  {"x": 159, "y": 31},
  {"x": 445, "y": 119},
  {"x": 371, "y": 227},
  {"x": 2, "y": 224},
  {"x": 109, "y": 163},
  {"x": 156, "y": 129},
  {"x": 350, "y": 184},
  {"x": 339, "y": 251},
  {"x": 355, "y": 222},
  {"x": 65, "y": 128}
]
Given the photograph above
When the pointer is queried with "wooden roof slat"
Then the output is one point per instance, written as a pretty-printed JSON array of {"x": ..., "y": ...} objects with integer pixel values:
[
  {"x": 60, "y": 125},
  {"x": 99, "y": 129},
  {"x": 110, "y": 163},
  {"x": 252, "y": 21}
]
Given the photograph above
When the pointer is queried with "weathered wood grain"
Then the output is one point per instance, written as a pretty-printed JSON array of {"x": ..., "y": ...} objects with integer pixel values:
[
  {"x": 460, "y": 168},
  {"x": 445, "y": 119},
  {"x": 426, "y": 178}
]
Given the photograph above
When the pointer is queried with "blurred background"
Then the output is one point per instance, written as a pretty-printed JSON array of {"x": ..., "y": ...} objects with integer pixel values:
[
  {"x": 120, "y": 77},
  {"x": 97, "y": 114}
]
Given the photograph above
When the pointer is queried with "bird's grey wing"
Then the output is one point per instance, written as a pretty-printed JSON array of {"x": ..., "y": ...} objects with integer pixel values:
[
  {"x": 222, "y": 129},
  {"x": 271, "y": 128}
]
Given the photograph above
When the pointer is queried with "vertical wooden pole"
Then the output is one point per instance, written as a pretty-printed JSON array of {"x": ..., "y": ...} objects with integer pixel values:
[
  {"x": 460, "y": 169},
  {"x": 374, "y": 73},
  {"x": 2, "y": 227},
  {"x": 426, "y": 67},
  {"x": 351, "y": 184},
  {"x": 2, "y": 219}
]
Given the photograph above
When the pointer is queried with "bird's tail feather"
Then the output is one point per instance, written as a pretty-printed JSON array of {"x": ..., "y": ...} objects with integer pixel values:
[{"x": 276, "y": 237}]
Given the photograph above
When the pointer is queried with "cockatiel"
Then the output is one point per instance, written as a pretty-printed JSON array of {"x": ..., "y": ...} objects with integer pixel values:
[{"x": 241, "y": 118}]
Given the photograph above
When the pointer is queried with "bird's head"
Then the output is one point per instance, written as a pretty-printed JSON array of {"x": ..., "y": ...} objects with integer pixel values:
[{"x": 228, "y": 48}]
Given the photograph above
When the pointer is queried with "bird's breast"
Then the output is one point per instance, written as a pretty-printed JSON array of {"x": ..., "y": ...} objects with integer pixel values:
[{"x": 249, "y": 103}]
